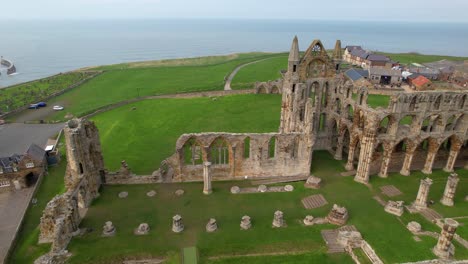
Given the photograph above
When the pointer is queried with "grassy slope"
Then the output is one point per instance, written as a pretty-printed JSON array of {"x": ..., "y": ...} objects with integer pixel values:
[
  {"x": 20, "y": 95},
  {"x": 126, "y": 134},
  {"x": 119, "y": 85},
  {"x": 197, "y": 61},
  {"x": 261, "y": 71},
  {"x": 27, "y": 249}
]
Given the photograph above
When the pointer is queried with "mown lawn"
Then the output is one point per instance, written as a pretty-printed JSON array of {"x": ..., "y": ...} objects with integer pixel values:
[
  {"x": 146, "y": 136},
  {"x": 118, "y": 85},
  {"x": 386, "y": 233},
  {"x": 266, "y": 70}
]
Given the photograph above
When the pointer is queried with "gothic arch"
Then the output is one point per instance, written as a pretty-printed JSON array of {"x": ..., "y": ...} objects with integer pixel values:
[
  {"x": 192, "y": 152},
  {"x": 219, "y": 151}
]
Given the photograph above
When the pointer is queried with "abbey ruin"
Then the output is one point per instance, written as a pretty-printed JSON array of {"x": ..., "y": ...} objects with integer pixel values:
[{"x": 320, "y": 110}]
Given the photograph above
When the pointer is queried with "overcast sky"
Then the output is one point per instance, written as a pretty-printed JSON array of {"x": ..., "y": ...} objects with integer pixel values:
[{"x": 379, "y": 10}]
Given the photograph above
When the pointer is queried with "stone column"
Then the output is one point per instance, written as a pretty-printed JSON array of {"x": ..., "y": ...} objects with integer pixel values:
[
  {"x": 431, "y": 154},
  {"x": 385, "y": 163},
  {"x": 452, "y": 156},
  {"x": 349, "y": 165},
  {"x": 450, "y": 188},
  {"x": 177, "y": 225},
  {"x": 421, "y": 200},
  {"x": 339, "y": 149},
  {"x": 444, "y": 248},
  {"x": 405, "y": 170},
  {"x": 207, "y": 178},
  {"x": 365, "y": 156},
  {"x": 278, "y": 219}
]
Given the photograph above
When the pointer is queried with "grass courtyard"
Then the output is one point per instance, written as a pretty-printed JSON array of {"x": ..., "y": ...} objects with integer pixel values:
[{"x": 385, "y": 232}]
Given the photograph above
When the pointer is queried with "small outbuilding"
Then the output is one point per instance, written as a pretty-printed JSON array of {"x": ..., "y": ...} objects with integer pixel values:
[
  {"x": 384, "y": 76},
  {"x": 22, "y": 171},
  {"x": 420, "y": 83}
]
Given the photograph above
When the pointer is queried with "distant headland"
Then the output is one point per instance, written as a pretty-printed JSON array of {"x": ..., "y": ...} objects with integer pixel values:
[{"x": 10, "y": 67}]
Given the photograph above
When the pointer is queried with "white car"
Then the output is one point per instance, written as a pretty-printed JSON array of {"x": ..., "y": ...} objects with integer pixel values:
[{"x": 58, "y": 108}]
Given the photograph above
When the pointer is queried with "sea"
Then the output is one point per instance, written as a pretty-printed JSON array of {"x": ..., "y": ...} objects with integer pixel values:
[{"x": 42, "y": 48}]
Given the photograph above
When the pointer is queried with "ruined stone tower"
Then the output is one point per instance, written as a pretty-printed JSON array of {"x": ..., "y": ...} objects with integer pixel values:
[{"x": 85, "y": 167}]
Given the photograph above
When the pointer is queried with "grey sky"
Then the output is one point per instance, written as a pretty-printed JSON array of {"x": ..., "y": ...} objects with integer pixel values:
[{"x": 394, "y": 10}]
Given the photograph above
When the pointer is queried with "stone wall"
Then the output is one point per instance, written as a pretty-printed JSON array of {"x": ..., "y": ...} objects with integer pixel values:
[
  {"x": 270, "y": 87},
  {"x": 235, "y": 156},
  {"x": 83, "y": 177}
]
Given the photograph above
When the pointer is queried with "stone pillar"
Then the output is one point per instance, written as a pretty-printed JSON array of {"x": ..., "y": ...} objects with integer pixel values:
[
  {"x": 278, "y": 219},
  {"x": 349, "y": 165},
  {"x": 339, "y": 149},
  {"x": 385, "y": 163},
  {"x": 405, "y": 170},
  {"x": 421, "y": 200},
  {"x": 452, "y": 156},
  {"x": 177, "y": 225},
  {"x": 431, "y": 154},
  {"x": 444, "y": 248},
  {"x": 450, "y": 188},
  {"x": 365, "y": 156},
  {"x": 207, "y": 178}
]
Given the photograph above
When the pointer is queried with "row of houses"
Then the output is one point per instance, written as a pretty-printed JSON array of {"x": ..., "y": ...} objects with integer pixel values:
[
  {"x": 378, "y": 69},
  {"x": 356, "y": 55}
]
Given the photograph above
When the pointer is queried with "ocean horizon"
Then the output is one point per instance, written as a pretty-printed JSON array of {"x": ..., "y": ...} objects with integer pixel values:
[{"x": 41, "y": 48}]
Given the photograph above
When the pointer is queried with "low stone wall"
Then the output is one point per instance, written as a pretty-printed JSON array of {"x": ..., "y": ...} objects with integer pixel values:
[{"x": 118, "y": 178}]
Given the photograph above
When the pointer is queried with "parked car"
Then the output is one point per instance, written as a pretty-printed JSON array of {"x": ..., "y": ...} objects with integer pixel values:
[
  {"x": 41, "y": 104},
  {"x": 33, "y": 106},
  {"x": 2, "y": 121},
  {"x": 57, "y": 107}
]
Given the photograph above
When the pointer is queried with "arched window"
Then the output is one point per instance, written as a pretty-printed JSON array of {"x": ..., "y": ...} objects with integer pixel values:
[
  {"x": 323, "y": 119},
  {"x": 219, "y": 152},
  {"x": 246, "y": 148},
  {"x": 294, "y": 88},
  {"x": 412, "y": 105},
  {"x": 325, "y": 96},
  {"x": 437, "y": 102},
  {"x": 461, "y": 104},
  {"x": 192, "y": 152},
  {"x": 272, "y": 147},
  {"x": 338, "y": 105},
  {"x": 81, "y": 168},
  {"x": 295, "y": 148},
  {"x": 301, "y": 114}
]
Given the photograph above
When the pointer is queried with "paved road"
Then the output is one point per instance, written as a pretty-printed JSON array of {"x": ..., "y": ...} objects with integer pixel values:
[
  {"x": 16, "y": 137},
  {"x": 227, "y": 86},
  {"x": 12, "y": 208}
]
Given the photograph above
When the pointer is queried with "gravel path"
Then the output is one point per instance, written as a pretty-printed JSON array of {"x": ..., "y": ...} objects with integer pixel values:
[{"x": 227, "y": 86}]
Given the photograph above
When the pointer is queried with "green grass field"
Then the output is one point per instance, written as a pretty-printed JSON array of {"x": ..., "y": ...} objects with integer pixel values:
[
  {"x": 20, "y": 95},
  {"x": 116, "y": 85},
  {"x": 386, "y": 233},
  {"x": 266, "y": 70},
  {"x": 406, "y": 58},
  {"x": 126, "y": 134}
]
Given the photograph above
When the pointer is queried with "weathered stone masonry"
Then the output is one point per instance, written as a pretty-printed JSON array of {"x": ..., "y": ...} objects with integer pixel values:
[
  {"x": 85, "y": 169},
  {"x": 320, "y": 110}
]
